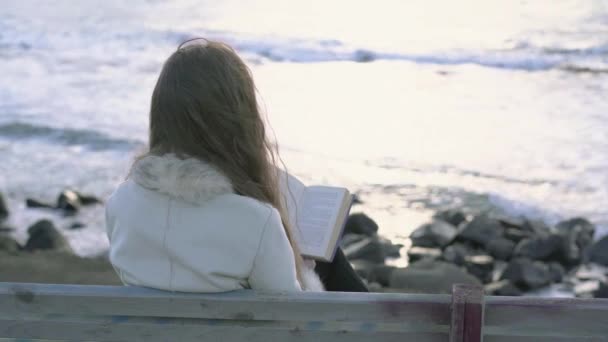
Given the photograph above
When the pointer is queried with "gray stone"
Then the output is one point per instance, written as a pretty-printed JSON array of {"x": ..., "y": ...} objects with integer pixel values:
[
  {"x": 481, "y": 230},
  {"x": 602, "y": 291},
  {"x": 537, "y": 227},
  {"x": 434, "y": 234},
  {"x": 427, "y": 276},
  {"x": 527, "y": 274},
  {"x": 381, "y": 274},
  {"x": 44, "y": 235},
  {"x": 88, "y": 199},
  {"x": 516, "y": 234},
  {"x": 502, "y": 288},
  {"x": 349, "y": 239},
  {"x": 6, "y": 229},
  {"x": 481, "y": 266},
  {"x": 391, "y": 250},
  {"x": 578, "y": 237},
  {"x": 363, "y": 268},
  {"x": 452, "y": 216},
  {"x": 360, "y": 224},
  {"x": 557, "y": 272},
  {"x": 370, "y": 249},
  {"x": 34, "y": 203},
  {"x": 456, "y": 254},
  {"x": 501, "y": 248},
  {"x": 599, "y": 252},
  {"x": 418, "y": 253},
  {"x": 516, "y": 222},
  {"x": 540, "y": 247},
  {"x": 69, "y": 201},
  {"x": 3, "y": 209},
  {"x": 8, "y": 244},
  {"x": 77, "y": 225}
]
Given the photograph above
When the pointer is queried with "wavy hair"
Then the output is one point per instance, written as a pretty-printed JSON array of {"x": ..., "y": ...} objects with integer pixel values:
[{"x": 204, "y": 106}]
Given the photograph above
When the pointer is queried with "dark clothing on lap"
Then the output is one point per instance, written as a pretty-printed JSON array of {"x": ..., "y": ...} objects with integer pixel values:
[{"x": 339, "y": 275}]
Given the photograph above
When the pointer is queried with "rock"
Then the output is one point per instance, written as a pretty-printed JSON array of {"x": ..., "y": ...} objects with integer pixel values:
[
  {"x": 451, "y": 216},
  {"x": 591, "y": 272},
  {"x": 602, "y": 291},
  {"x": 578, "y": 235},
  {"x": 363, "y": 56},
  {"x": 3, "y": 209},
  {"x": 481, "y": 230},
  {"x": 557, "y": 272},
  {"x": 537, "y": 227},
  {"x": 370, "y": 249},
  {"x": 501, "y": 248},
  {"x": 6, "y": 229},
  {"x": 540, "y": 247},
  {"x": 8, "y": 244},
  {"x": 392, "y": 250},
  {"x": 360, "y": 224},
  {"x": 417, "y": 253},
  {"x": 435, "y": 234},
  {"x": 527, "y": 274},
  {"x": 77, "y": 225},
  {"x": 587, "y": 288},
  {"x": 87, "y": 199},
  {"x": 69, "y": 201},
  {"x": 599, "y": 252},
  {"x": 357, "y": 199},
  {"x": 381, "y": 274},
  {"x": 499, "y": 269},
  {"x": 349, "y": 239},
  {"x": 582, "y": 229},
  {"x": 33, "y": 203},
  {"x": 516, "y": 235},
  {"x": 480, "y": 266},
  {"x": 44, "y": 235},
  {"x": 362, "y": 267},
  {"x": 428, "y": 276},
  {"x": 374, "y": 287},
  {"x": 502, "y": 288},
  {"x": 516, "y": 222},
  {"x": 456, "y": 254}
]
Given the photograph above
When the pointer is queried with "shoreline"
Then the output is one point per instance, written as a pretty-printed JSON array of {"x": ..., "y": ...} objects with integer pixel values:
[{"x": 508, "y": 255}]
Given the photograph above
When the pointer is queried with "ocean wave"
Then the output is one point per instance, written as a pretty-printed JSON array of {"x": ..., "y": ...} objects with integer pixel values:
[
  {"x": 521, "y": 55},
  {"x": 67, "y": 136}
]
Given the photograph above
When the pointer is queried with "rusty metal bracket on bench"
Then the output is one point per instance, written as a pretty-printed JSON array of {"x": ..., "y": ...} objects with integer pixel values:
[{"x": 467, "y": 313}]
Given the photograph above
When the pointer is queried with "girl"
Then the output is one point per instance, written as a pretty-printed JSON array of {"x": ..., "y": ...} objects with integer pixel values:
[{"x": 201, "y": 210}]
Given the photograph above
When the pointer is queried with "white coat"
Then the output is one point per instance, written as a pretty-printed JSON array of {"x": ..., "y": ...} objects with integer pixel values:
[{"x": 177, "y": 225}]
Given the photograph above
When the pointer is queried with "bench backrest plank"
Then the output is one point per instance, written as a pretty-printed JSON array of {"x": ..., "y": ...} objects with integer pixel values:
[{"x": 107, "y": 313}]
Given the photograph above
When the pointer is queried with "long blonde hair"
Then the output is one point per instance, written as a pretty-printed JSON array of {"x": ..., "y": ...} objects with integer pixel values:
[{"x": 204, "y": 106}]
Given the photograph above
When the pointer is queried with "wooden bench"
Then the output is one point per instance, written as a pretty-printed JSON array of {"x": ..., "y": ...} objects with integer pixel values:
[{"x": 30, "y": 312}]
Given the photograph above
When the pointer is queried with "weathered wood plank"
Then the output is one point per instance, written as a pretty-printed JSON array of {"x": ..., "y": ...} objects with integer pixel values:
[
  {"x": 467, "y": 313},
  {"x": 153, "y": 329},
  {"x": 546, "y": 317},
  {"x": 37, "y": 299}
]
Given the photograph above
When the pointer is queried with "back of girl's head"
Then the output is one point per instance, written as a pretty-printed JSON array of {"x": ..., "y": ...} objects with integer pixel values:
[{"x": 204, "y": 106}]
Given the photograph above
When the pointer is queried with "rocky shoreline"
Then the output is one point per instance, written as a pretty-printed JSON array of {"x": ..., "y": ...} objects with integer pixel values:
[{"x": 510, "y": 256}]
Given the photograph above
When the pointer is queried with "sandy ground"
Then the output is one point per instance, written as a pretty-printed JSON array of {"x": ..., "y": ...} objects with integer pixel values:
[{"x": 55, "y": 268}]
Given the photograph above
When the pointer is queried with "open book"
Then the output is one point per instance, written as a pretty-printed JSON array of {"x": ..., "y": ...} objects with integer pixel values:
[{"x": 317, "y": 215}]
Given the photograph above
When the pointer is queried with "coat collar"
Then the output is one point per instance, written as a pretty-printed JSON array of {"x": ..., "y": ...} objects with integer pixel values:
[{"x": 189, "y": 179}]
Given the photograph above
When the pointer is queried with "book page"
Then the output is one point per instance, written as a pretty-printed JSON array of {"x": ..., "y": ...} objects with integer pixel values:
[{"x": 319, "y": 211}]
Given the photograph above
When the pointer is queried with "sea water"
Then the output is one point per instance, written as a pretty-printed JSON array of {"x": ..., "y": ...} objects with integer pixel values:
[{"x": 414, "y": 105}]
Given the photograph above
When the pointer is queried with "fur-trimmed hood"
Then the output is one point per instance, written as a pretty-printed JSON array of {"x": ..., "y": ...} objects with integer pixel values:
[
  {"x": 196, "y": 182},
  {"x": 190, "y": 179}
]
